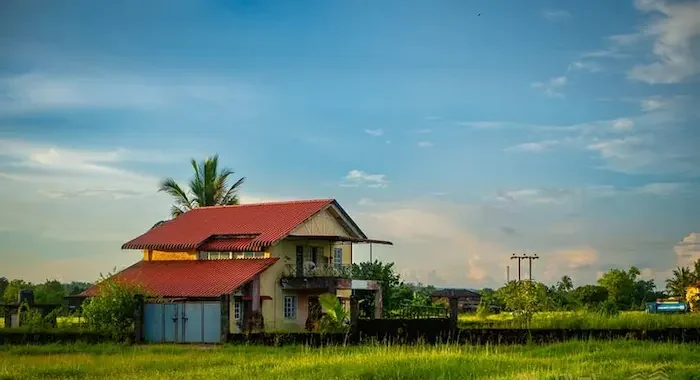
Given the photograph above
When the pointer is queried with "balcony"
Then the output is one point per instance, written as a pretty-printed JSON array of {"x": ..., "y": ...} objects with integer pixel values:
[{"x": 318, "y": 276}]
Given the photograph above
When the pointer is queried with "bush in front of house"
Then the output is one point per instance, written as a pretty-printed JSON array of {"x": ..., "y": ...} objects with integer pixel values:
[{"x": 112, "y": 310}]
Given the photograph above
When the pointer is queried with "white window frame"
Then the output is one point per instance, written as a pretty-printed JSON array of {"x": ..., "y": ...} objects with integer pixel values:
[
  {"x": 337, "y": 257},
  {"x": 237, "y": 309},
  {"x": 290, "y": 307}
]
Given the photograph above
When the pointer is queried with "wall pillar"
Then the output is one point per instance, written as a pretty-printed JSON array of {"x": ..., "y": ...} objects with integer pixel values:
[
  {"x": 454, "y": 313},
  {"x": 378, "y": 301},
  {"x": 256, "y": 312},
  {"x": 354, "y": 311},
  {"x": 138, "y": 319},
  {"x": 225, "y": 301}
]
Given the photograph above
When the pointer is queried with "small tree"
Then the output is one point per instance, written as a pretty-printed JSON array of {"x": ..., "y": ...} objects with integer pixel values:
[
  {"x": 111, "y": 311},
  {"x": 524, "y": 298}
]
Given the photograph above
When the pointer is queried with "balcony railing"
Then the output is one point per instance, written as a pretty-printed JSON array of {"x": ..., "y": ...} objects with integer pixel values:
[{"x": 319, "y": 270}]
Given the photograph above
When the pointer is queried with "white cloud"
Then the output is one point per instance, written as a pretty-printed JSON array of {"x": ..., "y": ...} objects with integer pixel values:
[
  {"x": 552, "y": 87},
  {"x": 556, "y": 15},
  {"x": 661, "y": 189},
  {"x": 688, "y": 250},
  {"x": 675, "y": 37},
  {"x": 420, "y": 227},
  {"x": 537, "y": 196},
  {"x": 35, "y": 92},
  {"x": 589, "y": 66},
  {"x": 425, "y": 144},
  {"x": 623, "y": 124},
  {"x": 652, "y": 104},
  {"x": 487, "y": 124},
  {"x": 374, "y": 132},
  {"x": 533, "y": 147},
  {"x": 567, "y": 261},
  {"x": 357, "y": 178}
]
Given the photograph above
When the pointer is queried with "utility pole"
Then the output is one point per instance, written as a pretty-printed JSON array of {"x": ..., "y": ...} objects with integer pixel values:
[
  {"x": 524, "y": 257},
  {"x": 507, "y": 274},
  {"x": 370, "y": 253}
]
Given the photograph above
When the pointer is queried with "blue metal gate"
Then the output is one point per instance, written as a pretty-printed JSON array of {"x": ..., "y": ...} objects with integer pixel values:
[{"x": 182, "y": 322}]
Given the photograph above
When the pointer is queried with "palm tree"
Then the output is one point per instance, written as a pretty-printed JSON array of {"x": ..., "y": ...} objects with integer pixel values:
[
  {"x": 682, "y": 278},
  {"x": 209, "y": 186}
]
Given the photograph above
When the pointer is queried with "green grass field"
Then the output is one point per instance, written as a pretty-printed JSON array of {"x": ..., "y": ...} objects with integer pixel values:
[
  {"x": 586, "y": 320},
  {"x": 604, "y": 360}
]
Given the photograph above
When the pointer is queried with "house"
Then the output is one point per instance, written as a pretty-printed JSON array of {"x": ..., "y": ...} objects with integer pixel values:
[
  {"x": 467, "y": 300},
  {"x": 273, "y": 260}
]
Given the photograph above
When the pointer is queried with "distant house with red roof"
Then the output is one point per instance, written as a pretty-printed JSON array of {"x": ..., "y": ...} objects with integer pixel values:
[{"x": 272, "y": 259}]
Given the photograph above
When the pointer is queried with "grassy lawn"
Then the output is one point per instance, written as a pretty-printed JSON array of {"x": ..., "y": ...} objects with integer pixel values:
[
  {"x": 586, "y": 320},
  {"x": 604, "y": 360}
]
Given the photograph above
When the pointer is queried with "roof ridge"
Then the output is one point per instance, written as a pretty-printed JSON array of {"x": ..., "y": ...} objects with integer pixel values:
[{"x": 266, "y": 203}]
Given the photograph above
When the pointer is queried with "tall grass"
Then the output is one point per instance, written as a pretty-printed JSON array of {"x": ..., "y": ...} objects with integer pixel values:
[
  {"x": 586, "y": 320},
  {"x": 604, "y": 360}
]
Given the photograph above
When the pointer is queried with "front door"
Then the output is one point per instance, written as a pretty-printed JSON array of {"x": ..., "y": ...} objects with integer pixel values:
[{"x": 182, "y": 322}]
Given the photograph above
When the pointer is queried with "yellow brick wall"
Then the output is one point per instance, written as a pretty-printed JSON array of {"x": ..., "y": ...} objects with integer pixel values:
[{"x": 154, "y": 255}]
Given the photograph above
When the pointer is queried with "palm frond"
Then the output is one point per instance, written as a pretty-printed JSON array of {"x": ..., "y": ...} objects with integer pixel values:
[{"x": 170, "y": 187}]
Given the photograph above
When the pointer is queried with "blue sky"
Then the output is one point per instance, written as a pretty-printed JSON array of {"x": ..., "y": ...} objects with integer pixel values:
[{"x": 461, "y": 130}]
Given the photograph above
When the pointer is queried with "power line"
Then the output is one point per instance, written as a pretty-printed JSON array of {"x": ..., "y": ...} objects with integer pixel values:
[{"x": 524, "y": 257}]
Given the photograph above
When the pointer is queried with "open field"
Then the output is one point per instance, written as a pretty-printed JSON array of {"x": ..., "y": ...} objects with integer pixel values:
[
  {"x": 605, "y": 360},
  {"x": 585, "y": 320}
]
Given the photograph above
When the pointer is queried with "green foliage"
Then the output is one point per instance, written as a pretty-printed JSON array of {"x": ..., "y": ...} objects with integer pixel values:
[
  {"x": 111, "y": 311},
  {"x": 50, "y": 292},
  {"x": 335, "y": 318},
  {"x": 524, "y": 298},
  {"x": 682, "y": 278},
  {"x": 590, "y": 295},
  {"x": 12, "y": 290},
  {"x": 637, "y": 320},
  {"x": 609, "y": 308},
  {"x": 570, "y": 360},
  {"x": 3, "y": 284},
  {"x": 209, "y": 186},
  {"x": 392, "y": 295}
]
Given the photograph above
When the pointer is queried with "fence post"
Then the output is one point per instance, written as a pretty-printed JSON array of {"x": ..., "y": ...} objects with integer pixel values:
[
  {"x": 225, "y": 300},
  {"x": 138, "y": 319},
  {"x": 454, "y": 313}
]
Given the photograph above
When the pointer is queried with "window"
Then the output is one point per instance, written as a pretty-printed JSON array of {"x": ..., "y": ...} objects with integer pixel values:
[
  {"x": 290, "y": 307},
  {"x": 236, "y": 310},
  {"x": 337, "y": 256},
  {"x": 250, "y": 255}
]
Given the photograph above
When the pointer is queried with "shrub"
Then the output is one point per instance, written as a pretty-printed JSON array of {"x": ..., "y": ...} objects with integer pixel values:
[
  {"x": 609, "y": 308},
  {"x": 111, "y": 311},
  {"x": 336, "y": 317}
]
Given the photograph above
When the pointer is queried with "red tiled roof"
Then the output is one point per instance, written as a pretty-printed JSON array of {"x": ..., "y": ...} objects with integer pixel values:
[
  {"x": 269, "y": 222},
  {"x": 190, "y": 278},
  {"x": 225, "y": 245}
]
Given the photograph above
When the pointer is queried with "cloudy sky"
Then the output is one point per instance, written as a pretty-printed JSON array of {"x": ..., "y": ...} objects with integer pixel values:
[{"x": 463, "y": 131}]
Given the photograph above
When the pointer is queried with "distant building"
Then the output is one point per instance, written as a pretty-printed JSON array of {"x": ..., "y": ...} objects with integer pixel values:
[{"x": 467, "y": 300}]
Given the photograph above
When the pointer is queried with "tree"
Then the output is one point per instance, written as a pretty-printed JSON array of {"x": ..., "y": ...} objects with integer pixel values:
[
  {"x": 590, "y": 295},
  {"x": 524, "y": 298},
  {"x": 621, "y": 286},
  {"x": 390, "y": 281},
  {"x": 3, "y": 284},
  {"x": 209, "y": 186},
  {"x": 565, "y": 284},
  {"x": 12, "y": 290},
  {"x": 682, "y": 278},
  {"x": 111, "y": 311},
  {"x": 50, "y": 292}
]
